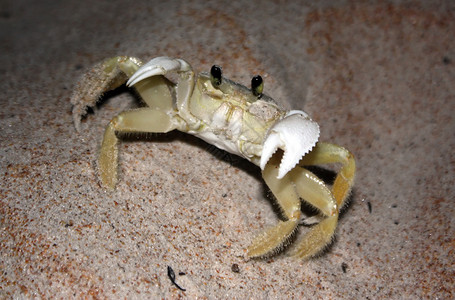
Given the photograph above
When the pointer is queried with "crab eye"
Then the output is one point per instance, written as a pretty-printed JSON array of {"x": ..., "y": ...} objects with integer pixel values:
[
  {"x": 215, "y": 75},
  {"x": 257, "y": 86}
]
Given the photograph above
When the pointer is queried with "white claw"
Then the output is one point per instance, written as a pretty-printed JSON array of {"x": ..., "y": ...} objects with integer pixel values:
[
  {"x": 158, "y": 66},
  {"x": 296, "y": 134}
]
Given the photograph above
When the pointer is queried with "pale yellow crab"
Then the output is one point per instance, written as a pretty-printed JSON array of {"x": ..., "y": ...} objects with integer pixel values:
[{"x": 234, "y": 118}]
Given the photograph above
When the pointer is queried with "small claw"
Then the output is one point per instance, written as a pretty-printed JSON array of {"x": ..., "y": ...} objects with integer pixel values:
[
  {"x": 296, "y": 134},
  {"x": 158, "y": 66}
]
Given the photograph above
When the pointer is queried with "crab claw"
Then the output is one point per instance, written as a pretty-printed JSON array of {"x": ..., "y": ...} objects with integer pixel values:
[
  {"x": 158, "y": 66},
  {"x": 296, "y": 134}
]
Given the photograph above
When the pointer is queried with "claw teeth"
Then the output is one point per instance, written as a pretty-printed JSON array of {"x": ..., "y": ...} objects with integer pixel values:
[
  {"x": 270, "y": 146},
  {"x": 296, "y": 134}
]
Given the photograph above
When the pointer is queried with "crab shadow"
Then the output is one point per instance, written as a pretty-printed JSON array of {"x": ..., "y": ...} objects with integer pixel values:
[{"x": 175, "y": 135}]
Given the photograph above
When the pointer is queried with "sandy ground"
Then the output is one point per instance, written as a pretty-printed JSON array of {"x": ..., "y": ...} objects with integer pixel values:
[{"x": 378, "y": 77}]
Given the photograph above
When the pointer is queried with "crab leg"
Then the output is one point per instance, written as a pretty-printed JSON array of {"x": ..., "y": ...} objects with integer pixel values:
[
  {"x": 104, "y": 76},
  {"x": 301, "y": 183},
  {"x": 138, "y": 120},
  {"x": 155, "y": 92},
  {"x": 325, "y": 153},
  {"x": 315, "y": 192},
  {"x": 161, "y": 66},
  {"x": 275, "y": 238},
  {"x": 328, "y": 202}
]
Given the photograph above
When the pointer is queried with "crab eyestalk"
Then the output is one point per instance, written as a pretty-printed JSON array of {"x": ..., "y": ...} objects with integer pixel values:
[
  {"x": 257, "y": 86},
  {"x": 215, "y": 75}
]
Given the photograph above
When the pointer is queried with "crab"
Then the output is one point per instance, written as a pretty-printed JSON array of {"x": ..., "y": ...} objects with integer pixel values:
[{"x": 237, "y": 119}]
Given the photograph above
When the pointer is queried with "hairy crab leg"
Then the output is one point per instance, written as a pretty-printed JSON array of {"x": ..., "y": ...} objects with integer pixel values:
[
  {"x": 314, "y": 191},
  {"x": 159, "y": 116},
  {"x": 273, "y": 239},
  {"x": 104, "y": 76},
  {"x": 325, "y": 153},
  {"x": 301, "y": 183},
  {"x": 138, "y": 120},
  {"x": 319, "y": 237},
  {"x": 328, "y": 202}
]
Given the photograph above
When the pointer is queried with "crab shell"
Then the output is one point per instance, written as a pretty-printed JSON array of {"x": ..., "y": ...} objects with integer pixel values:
[{"x": 293, "y": 132}]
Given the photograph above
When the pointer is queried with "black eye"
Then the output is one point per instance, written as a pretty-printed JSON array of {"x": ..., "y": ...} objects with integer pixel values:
[
  {"x": 257, "y": 86},
  {"x": 215, "y": 75}
]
